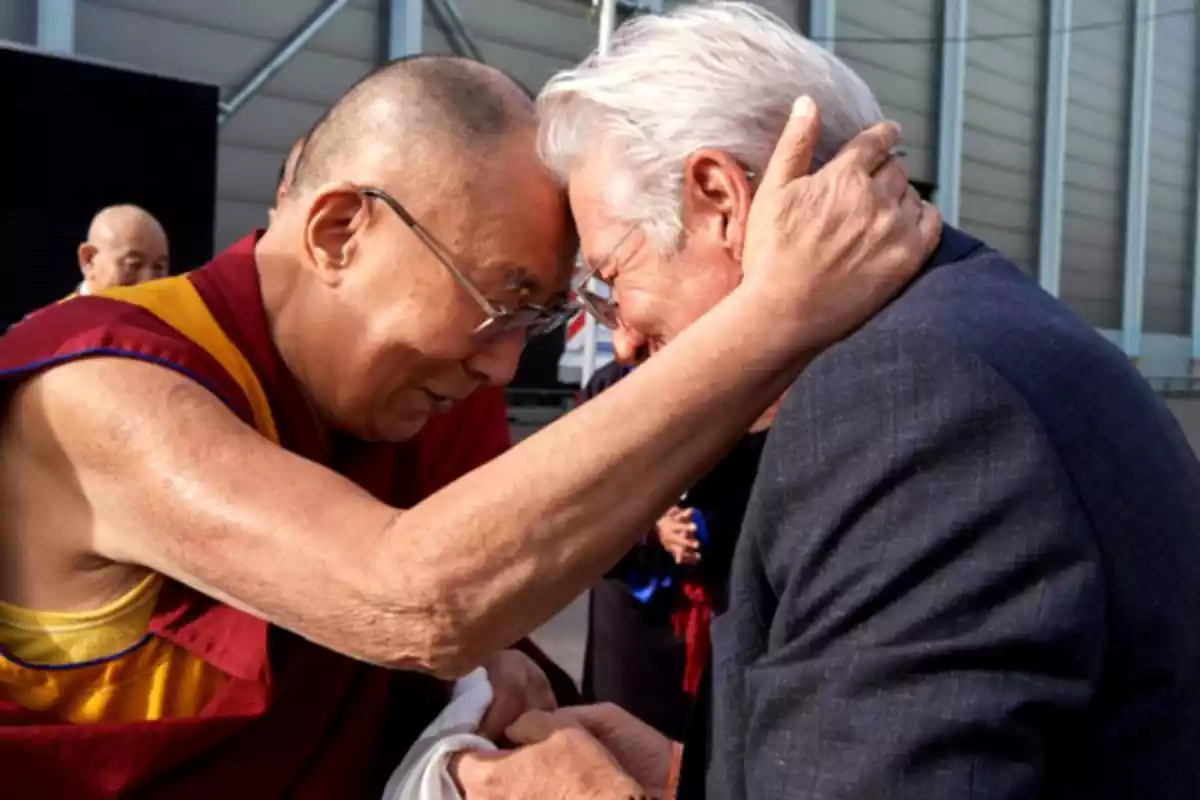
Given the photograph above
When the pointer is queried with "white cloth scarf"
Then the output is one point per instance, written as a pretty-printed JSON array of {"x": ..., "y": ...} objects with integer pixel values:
[{"x": 424, "y": 773}]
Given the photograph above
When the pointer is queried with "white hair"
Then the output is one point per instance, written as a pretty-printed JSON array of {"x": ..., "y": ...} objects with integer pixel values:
[{"x": 721, "y": 74}]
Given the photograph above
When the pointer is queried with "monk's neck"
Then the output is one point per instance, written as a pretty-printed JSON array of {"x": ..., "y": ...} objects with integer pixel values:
[{"x": 278, "y": 281}]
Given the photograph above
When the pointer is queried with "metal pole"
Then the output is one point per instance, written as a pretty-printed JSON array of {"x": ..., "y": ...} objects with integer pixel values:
[
  {"x": 283, "y": 54},
  {"x": 1138, "y": 185},
  {"x": 950, "y": 118},
  {"x": 405, "y": 22},
  {"x": 822, "y": 22},
  {"x": 56, "y": 25},
  {"x": 1195, "y": 366},
  {"x": 608, "y": 23},
  {"x": 1054, "y": 144},
  {"x": 446, "y": 16}
]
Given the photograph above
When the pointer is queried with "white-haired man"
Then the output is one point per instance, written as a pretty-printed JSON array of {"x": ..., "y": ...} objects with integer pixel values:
[{"x": 971, "y": 565}]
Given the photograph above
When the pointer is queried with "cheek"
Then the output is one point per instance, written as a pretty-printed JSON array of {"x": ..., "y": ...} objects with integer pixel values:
[
  {"x": 640, "y": 313},
  {"x": 407, "y": 348}
]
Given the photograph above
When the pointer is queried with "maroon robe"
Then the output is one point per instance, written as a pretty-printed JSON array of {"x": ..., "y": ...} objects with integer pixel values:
[{"x": 295, "y": 719}]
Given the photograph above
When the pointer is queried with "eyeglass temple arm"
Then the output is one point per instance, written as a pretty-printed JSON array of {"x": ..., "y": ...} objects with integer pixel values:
[{"x": 436, "y": 249}]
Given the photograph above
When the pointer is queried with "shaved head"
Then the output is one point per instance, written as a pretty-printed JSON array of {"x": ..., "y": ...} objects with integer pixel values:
[
  {"x": 425, "y": 101},
  {"x": 123, "y": 221},
  {"x": 419, "y": 213},
  {"x": 125, "y": 245}
]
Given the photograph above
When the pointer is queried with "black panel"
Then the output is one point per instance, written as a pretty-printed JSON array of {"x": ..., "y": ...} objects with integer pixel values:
[{"x": 78, "y": 137}]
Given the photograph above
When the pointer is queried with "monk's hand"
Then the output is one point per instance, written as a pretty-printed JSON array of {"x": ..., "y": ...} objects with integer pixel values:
[
  {"x": 642, "y": 752},
  {"x": 568, "y": 764},
  {"x": 825, "y": 251},
  {"x": 518, "y": 685}
]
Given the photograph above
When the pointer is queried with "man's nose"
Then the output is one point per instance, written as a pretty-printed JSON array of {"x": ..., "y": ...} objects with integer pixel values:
[
  {"x": 496, "y": 360},
  {"x": 627, "y": 345}
]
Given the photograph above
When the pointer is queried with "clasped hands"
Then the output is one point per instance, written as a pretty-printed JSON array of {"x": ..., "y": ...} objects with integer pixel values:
[{"x": 597, "y": 752}]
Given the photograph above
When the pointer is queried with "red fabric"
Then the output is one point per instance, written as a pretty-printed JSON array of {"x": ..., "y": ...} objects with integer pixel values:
[
  {"x": 471, "y": 434},
  {"x": 295, "y": 720},
  {"x": 691, "y": 621}
]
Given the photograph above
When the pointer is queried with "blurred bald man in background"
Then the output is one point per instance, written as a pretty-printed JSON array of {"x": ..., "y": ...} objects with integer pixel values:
[
  {"x": 287, "y": 173},
  {"x": 125, "y": 246}
]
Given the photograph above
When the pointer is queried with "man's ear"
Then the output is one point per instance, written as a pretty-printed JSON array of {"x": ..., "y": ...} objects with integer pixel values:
[
  {"x": 86, "y": 254},
  {"x": 335, "y": 217},
  {"x": 717, "y": 197}
]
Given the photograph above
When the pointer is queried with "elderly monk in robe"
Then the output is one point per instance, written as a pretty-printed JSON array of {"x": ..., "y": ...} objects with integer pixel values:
[
  {"x": 125, "y": 246},
  {"x": 211, "y": 583}
]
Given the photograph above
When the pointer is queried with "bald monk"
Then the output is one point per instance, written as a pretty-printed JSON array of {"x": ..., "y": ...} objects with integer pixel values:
[
  {"x": 125, "y": 246},
  {"x": 210, "y": 581}
]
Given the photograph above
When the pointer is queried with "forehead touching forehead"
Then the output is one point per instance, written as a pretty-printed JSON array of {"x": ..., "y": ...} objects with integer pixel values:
[
  {"x": 454, "y": 141},
  {"x": 519, "y": 229},
  {"x": 598, "y": 192},
  {"x": 720, "y": 75}
]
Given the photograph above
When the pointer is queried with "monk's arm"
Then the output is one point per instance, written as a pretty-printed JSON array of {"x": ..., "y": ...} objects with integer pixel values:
[{"x": 176, "y": 483}]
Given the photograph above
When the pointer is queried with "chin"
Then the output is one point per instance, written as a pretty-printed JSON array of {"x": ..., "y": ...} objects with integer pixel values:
[{"x": 395, "y": 431}]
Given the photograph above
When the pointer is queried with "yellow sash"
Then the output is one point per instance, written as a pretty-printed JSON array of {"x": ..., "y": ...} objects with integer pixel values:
[
  {"x": 176, "y": 302},
  {"x": 99, "y": 671}
]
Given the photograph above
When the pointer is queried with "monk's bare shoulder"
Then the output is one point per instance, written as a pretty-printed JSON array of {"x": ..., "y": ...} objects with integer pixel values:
[
  {"x": 154, "y": 471},
  {"x": 106, "y": 414},
  {"x": 72, "y": 438}
]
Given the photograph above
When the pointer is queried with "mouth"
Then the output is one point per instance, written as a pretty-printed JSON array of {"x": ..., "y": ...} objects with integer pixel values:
[{"x": 441, "y": 403}]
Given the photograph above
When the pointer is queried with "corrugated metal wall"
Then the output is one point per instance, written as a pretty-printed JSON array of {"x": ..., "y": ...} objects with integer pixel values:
[
  {"x": 222, "y": 41},
  {"x": 1173, "y": 145},
  {"x": 1002, "y": 113},
  {"x": 530, "y": 39},
  {"x": 1097, "y": 144},
  {"x": 18, "y": 21},
  {"x": 903, "y": 75}
]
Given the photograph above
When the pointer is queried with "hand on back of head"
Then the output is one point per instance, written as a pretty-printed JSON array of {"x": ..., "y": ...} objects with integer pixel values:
[{"x": 861, "y": 228}]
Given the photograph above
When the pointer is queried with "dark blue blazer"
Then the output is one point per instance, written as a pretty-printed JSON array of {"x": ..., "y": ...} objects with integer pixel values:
[{"x": 970, "y": 567}]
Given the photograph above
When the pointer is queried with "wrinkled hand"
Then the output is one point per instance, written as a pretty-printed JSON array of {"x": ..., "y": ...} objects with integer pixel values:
[
  {"x": 643, "y": 752},
  {"x": 518, "y": 685},
  {"x": 676, "y": 533},
  {"x": 826, "y": 251},
  {"x": 568, "y": 764}
]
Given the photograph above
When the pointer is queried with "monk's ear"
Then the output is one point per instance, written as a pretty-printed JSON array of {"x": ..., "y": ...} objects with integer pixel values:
[
  {"x": 87, "y": 254},
  {"x": 335, "y": 217}
]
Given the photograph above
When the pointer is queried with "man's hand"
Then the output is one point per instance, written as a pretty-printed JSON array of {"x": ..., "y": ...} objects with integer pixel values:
[
  {"x": 860, "y": 227},
  {"x": 568, "y": 764},
  {"x": 676, "y": 533},
  {"x": 642, "y": 752},
  {"x": 518, "y": 686}
]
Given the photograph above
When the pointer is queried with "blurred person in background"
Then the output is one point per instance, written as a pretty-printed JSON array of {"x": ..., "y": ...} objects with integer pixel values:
[
  {"x": 970, "y": 565},
  {"x": 125, "y": 246},
  {"x": 648, "y": 620},
  {"x": 287, "y": 174}
]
